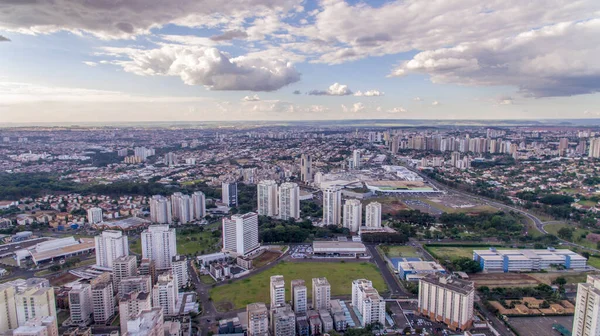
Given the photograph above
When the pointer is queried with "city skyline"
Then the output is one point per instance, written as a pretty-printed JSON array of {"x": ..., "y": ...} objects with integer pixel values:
[{"x": 298, "y": 60}]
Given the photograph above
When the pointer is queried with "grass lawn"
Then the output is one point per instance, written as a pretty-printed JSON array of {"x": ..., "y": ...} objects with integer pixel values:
[
  {"x": 442, "y": 207},
  {"x": 207, "y": 279},
  {"x": 200, "y": 242},
  {"x": 553, "y": 229},
  {"x": 587, "y": 203},
  {"x": 256, "y": 288},
  {"x": 406, "y": 251},
  {"x": 453, "y": 252},
  {"x": 572, "y": 278},
  {"x": 594, "y": 262}
]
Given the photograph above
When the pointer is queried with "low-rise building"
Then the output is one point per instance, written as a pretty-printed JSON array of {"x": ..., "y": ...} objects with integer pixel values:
[
  {"x": 516, "y": 260},
  {"x": 414, "y": 270}
]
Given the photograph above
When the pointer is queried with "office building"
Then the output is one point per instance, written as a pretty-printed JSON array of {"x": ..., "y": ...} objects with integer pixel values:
[
  {"x": 321, "y": 293},
  {"x": 80, "y": 304},
  {"x": 277, "y": 288},
  {"x": 332, "y": 205},
  {"x": 159, "y": 245},
  {"x": 373, "y": 215},
  {"x": 182, "y": 208},
  {"x": 160, "y": 210},
  {"x": 299, "y": 295},
  {"x": 229, "y": 194},
  {"x": 240, "y": 234},
  {"x": 495, "y": 260},
  {"x": 38, "y": 326},
  {"x": 258, "y": 319},
  {"x": 267, "y": 198},
  {"x": 283, "y": 320},
  {"x": 199, "y": 205},
  {"x": 103, "y": 303},
  {"x": 123, "y": 267},
  {"x": 110, "y": 245},
  {"x": 352, "y": 215},
  {"x": 586, "y": 321},
  {"x": 306, "y": 173},
  {"x": 356, "y": 163},
  {"x": 164, "y": 294},
  {"x": 289, "y": 201},
  {"x": 130, "y": 305},
  {"x": 94, "y": 215},
  {"x": 447, "y": 299},
  {"x": 179, "y": 268},
  {"x": 147, "y": 323},
  {"x": 140, "y": 283},
  {"x": 368, "y": 302}
]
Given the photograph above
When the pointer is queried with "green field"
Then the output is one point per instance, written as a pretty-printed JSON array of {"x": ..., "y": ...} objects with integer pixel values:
[
  {"x": 453, "y": 252},
  {"x": 395, "y": 251},
  {"x": 256, "y": 288},
  {"x": 442, "y": 207},
  {"x": 207, "y": 279},
  {"x": 553, "y": 229},
  {"x": 594, "y": 261},
  {"x": 200, "y": 242}
]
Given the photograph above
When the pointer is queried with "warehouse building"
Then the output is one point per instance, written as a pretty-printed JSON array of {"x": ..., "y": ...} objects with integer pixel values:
[
  {"x": 339, "y": 249},
  {"x": 414, "y": 270}
]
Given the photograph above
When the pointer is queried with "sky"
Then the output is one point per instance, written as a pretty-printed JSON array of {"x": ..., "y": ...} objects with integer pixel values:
[{"x": 196, "y": 60}]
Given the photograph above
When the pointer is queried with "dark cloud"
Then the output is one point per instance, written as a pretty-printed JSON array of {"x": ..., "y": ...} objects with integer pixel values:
[
  {"x": 230, "y": 35},
  {"x": 373, "y": 40},
  {"x": 4, "y": 39},
  {"x": 297, "y": 92},
  {"x": 125, "y": 27}
]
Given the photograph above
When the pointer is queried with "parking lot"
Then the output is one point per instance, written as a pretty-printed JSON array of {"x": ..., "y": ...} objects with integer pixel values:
[
  {"x": 422, "y": 206},
  {"x": 301, "y": 251},
  {"x": 539, "y": 325}
]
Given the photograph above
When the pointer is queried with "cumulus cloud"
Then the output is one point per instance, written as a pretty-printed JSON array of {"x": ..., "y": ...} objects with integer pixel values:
[
  {"x": 505, "y": 100},
  {"x": 355, "y": 108},
  {"x": 209, "y": 67},
  {"x": 556, "y": 60},
  {"x": 370, "y": 93},
  {"x": 397, "y": 110},
  {"x": 89, "y": 63},
  {"x": 230, "y": 35},
  {"x": 4, "y": 39},
  {"x": 435, "y": 103},
  {"x": 251, "y": 98},
  {"x": 335, "y": 89}
]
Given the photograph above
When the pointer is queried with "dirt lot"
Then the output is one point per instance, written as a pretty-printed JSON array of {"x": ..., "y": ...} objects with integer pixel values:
[
  {"x": 265, "y": 258},
  {"x": 541, "y": 325},
  {"x": 503, "y": 280}
]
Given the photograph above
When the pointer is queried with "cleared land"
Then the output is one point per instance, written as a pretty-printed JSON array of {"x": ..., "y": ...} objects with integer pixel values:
[
  {"x": 554, "y": 227},
  {"x": 256, "y": 288},
  {"x": 395, "y": 251},
  {"x": 454, "y": 252},
  {"x": 389, "y": 205},
  {"x": 265, "y": 258},
  {"x": 503, "y": 280},
  {"x": 574, "y": 277},
  {"x": 200, "y": 242},
  {"x": 447, "y": 206}
]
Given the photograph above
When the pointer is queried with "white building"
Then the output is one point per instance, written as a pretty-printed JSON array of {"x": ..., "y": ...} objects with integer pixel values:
[
  {"x": 447, "y": 299},
  {"x": 179, "y": 267},
  {"x": 240, "y": 233},
  {"x": 110, "y": 245},
  {"x": 356, "y": 163},
  {"x": 39, "y": 326},
  {"x": 103, "y": 302},
  {"x": 160, "y": 210},
  {"x": 123, "y": 267},
  {"x": 373, "y": 215},
  {"x": 277, "y": 287},
  {"x": 368, "y": 302},
  {"x": 321, "y": 294},
  {"x": 140, "y": 283},
  {"x": 352, "y": 215},
  {"x": 283, "y": 320},
  {"x": 332, "y": 204},
  {"x": 258, "y": 319},
  {"x": 94, "y": 215},
  {"x": 495, "y": 260},
  {"x": 306, "y": 173},
  {"x": 299, "y": 295},
  {"x": 147, "y": 323},
  {"x": 414, "y": 270},
  {"x": 199, "y": 205},
  {"x": 130, "y": 306},
  {"x": 267, "y": 198},
  {"x": 229, "y": 194},
  {"x": 182, "y": 207},
  {"x": 80, "y": 304},
  {"x": 164, "y": 294},
  {"x": 159, "y": 244},
  {"x": 289, "y": 201},
  {"x": 587, "y": 308}
]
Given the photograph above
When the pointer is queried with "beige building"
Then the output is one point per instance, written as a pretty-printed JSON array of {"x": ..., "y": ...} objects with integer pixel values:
[
  {"x": 299, "y": 295},
  {"x": 103, "y": 301},
  {"x": 368, "y": 302},
  {"x": 258, "y": 319},
  {"x": 123, "y": 267},
  {"x": 587, "y": 308},
  {"x": 277, "y": 287},
  {"x": 130, "y": 305},
  {"x": 321, "y": 294},
  {"x": 447, "y": 299},
  {"x": 373, "y": 215},
  {"x": 80, "y": 304}
]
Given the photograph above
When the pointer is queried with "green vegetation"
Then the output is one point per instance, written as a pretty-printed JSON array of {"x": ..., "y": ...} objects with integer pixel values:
[
  {"x": 541, "y": 291},
  {"x": 207, "y": 279},
  {"x": 594, "y": 261},
  {"x": 395, "y": 251},
  {"x": 190, "y": 241},
  {"x": 256, "y": 288},
  {"x": 272, "y": 230},
  {"x": 570, "y": 233},
  {"x": 451, "y": 253},
  {"x": 475, "y": 209},
  {"x": 503, "y": 225}
]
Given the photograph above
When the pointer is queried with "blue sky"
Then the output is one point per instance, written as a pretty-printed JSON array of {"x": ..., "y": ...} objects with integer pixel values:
[{"x": 209, "y": 60}]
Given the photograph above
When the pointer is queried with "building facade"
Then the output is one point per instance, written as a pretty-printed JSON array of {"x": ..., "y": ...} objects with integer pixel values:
[
  {"x": 368, "y": 302},
  {"x": 160, "y": 210},
  {"x": 159, "y": 245},
  {"x": 164, "y": 294},
  {"x": 110, "y": 245},
  {"x": 94, "y": 215},
  {"x": 352, "y": 215},
  {"x": 586, "y": 321},
  {"x": 373, "y": 215},
  {"x": 240, "y": 234},
  {"x": 258, "y": 319},
  {"x": 179, "y": 268},
  {"x": 199, "y": 205},
  {"x": 321, "y": 294},
  {"x": 306, "y": 173},
  {"x": 229, "y": 194},
  {"x": 447, "y": 299},
  {"x": 289, "y": 201},
  {"x": 123, "y": 267},
  {"x": 277, "y": 288},
  {"x": 80, "y": 304},
  {"x": 299, "y": 295},
  {"x": 332, "y": 205},
  {"x": 267, "y": 198}
]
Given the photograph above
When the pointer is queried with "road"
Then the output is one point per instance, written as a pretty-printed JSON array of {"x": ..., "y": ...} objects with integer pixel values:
[{"x": 388, "y": 276}]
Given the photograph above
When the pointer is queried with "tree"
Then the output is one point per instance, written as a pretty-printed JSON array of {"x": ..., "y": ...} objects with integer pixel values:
[
  {"x": 586, "y": 255},
  {"x": 566, "y": 233},
  {"x": 561, "y": 281},
  {"x": 467, "y": 265}
]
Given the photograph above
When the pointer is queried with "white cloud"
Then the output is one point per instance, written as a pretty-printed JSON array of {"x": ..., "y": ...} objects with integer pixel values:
[
  {"x": 397, "y": 110},
  {"x": 89, "y": 63},
  {"x": 335, "y": 89},
  {"x": 435, "y": 103},
  {"x": 355, "y": 108},
  {"x": 370, "y": 93},
  {"x": 251, "y": 98},
  {"x": 418, "y": 99},
  {"x": 505, "y": 100},
  {"x": 210, "y": 67}
]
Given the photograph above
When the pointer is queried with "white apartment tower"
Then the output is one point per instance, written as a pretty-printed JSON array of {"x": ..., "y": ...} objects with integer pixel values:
[
  {"x": 356, "y": 159},
  {"x": 289, "y": 201},
  {"x": 267, "y": 198},
  {"x": 131, "y": 305},
  {"x": 277, "y": 287},
  {"x": 199, "y": 205},
  {"x": 94, "y": 215},
  {"x": 373, "y": 215},
  {"x": 179, "y": 268},
  {"x": 103, "y": 302},
  {"x": 594, "y": 149},
  {"x": 368, "y": 302},
  {"x": 164, "y": 294},
  {"x": 321, "y": 294},
  {"x": 258, "y": 319},
  {"x": 332, "y": 204},
  {"x": 299, "y": 295},
  {"x": 182, "y": 207},
  {"x": 123, "y": 267},
  {"x": 240, "y": 233},
  {"x": 80, "y": 304},
  {"x": 110, "y": 245},
  {"x": 352, "y": 215},
  {"x": 229, "y": 194},
  {"x": 160, "y": 210},
  {"x": 140, "y": 283},
  {"x": 447, "y": 299},
  {"x": 159, "y": 245},
  {"x": 587, "y": 308},
  {"x": 306, "y": 174},
  {"x": 283, "y": 320}
]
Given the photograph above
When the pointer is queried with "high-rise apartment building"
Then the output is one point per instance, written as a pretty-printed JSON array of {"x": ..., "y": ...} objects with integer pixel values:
[
  {"x": 80, "y": 304},
  {"x": 353, "y": 215},
  {"x": 148, "y": 267},
  {"x": 147, "y": 323},
  {"x": 368, "y": 302},
  {"x": 332, "y": 205},
  {"x": 321, "y": 294},
  {"x": 39, "y": 326},
  {"x": 563, "y": 145},
  {"x": 130, "y": 305},
  {"x": 258, "y": 319},
  {"x": 283, "y": 320},
  {"x": 587, "y": 308},
  {"x": 373, "y": 215},
  {"x": 356, "y": 162},
  {"x": 164, "y": 294},
  {"x": 8, "y": 307},
  {"x": 170, "y": 159},
  {"x": 22, "y": 301},
  {"x": 289, "y": 201},
  {"x": 182, "y": 207},
  {"x": 447, "y": 299},
  {"x": 299, "y": 295},
  {"x": 229, "y": 194},
  {"x": 240, "y": 233},
  {"x": 267, "y": 198},
  {"x": 103, "y": 303},
  {"x": 594, "y": 149},
  {"x": 159, "y": 245},
  {"x": 110, "y": 245},
  {"x": 123, "y": 267},
  {"x": 277, "y": 287},
  {"x": 94, "y": 215},
  {"x": 139, "y": 283},
  {"x": 199, "y": 205},
  {"x": 160, "y": 210},
  {"x": 306, "y": 173},
  {"x": 179, "y": 268}
]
